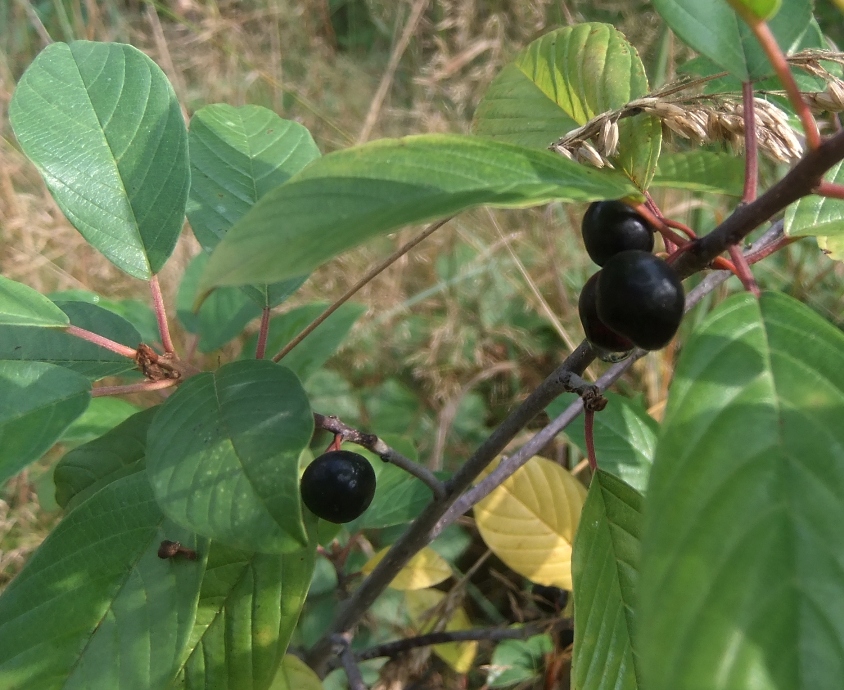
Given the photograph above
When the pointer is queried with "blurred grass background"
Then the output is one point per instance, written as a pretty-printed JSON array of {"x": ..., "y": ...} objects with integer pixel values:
[{"x": 456, "y": 332}]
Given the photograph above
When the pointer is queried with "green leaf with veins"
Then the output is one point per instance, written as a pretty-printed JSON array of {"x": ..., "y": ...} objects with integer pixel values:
[
  {"x": 102, "y": 124},
  {"x": 742, "y": 547}
]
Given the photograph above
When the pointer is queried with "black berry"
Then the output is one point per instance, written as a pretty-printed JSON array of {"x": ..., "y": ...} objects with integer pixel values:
[
  {"x": 601, "y": 337},
  {"x": 338, "y": 486},
  {"x": 640, "y": 297},
  {"x": 610, "y": 227}
]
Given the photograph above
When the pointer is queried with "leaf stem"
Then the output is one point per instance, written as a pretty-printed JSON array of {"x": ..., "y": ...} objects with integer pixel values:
[
  {"x": 343, "y": 432},
  {"x": 144, "y": 387},
  {"x": 161, "y": 315},
  {"x": 102, "y": 341},
  {"x": 261, "y": 348},
  {"x": 830, "y": 190},
  {"x": 589, "y": 431},
  {"x": 346, "y": 296},
  {"x": 751, "y": 146},
  {"x": 743, "y": 272}
]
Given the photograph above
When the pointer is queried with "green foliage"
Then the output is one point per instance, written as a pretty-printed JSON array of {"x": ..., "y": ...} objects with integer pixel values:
[
  {"x": 101, "y": 122},
  {"x": 223, "y": 455},
  {"x": 707, "y": 553},
  {"x": 379, "y": 187},
  {"x": 741, "y": 533}
]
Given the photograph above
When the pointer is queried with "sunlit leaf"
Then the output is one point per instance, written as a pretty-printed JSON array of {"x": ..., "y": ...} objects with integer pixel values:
[
  {"x": 350, "y": 196},
  {"x": 530, "y": 520},
  {"x": 564, "y": 79},
  {"x": 102, "y": 124},
  {"x": 458, "y": 655},
  {"x": 20, "y": 305},
  {"x": 248, "y": 607},
  {"x": 426, "y": 569},
  {"x": 295, "y": 674},
  {"x": 820, "y": 216},
  {"x": 713, "y": 29},
  {"x": 701, "y": 171},
  {"x": 742, "y": 547},
  {"x": 95, "y": 607},
  {"x": 605, "y": 569},
  {"x": 759, "y": 9}
]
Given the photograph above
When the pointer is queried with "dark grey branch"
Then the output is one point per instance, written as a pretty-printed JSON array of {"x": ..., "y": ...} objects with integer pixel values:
[
  {"x": 382, "y": 450},
  {"x": 350, "y": 666},
  {"x": 392, "y": 649}
]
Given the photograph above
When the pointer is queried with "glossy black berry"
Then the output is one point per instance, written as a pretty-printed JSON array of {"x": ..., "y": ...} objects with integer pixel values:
[
  {"x": 640, "y": 297},
  {"x": 338, "y": 486},
  {"x": 601, "y": 337},
  {"x": 610, "y": 227}
]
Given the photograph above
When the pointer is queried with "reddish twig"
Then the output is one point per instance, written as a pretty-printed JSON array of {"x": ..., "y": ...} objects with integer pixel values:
[
  {"x": 751, "y": 146},
  {"x": 161, "y": 314},
  {"x": 102, "y": 341},
  {"x": 743, "y": 272},
  {"x": 144, "y": 387},
  {"x": 754, "y": 257},
  {"x": 263, "y": 334},
  {"x": 830, "y": 190},
  {"x": 589, "y": 430}
]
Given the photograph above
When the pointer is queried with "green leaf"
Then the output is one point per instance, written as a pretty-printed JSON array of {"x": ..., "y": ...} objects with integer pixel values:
[
  {"x": 294, "y": 674},
  {"x": 562, "y": 81},
  {"x": 624, "y": 435},
  {"x": 605, "y": 565},
  {"x": 223, "y": 455},
  {"x": 713, "y": 29},
  {"x": 24, "y": 343},
  {"x": 95, "y": 607},
  {"x": 350, "y": 196},
  {"x": 20, "y": 305},
  {"x": 222, "y": 316},
  {"x": 760, "y": 9},
  {"x": 742, "y": 547},
  {"x": 518, "y": 661},
  {"x": 701, "y": 171},
  {"x": 309, "y": 356},
  {"x": 38, "y": 402},
  {"x": 102, "y": 124},
  {"x": 91, "y": 466},
  {"x": 820, "y": 216},
  {"x": 101, "y": 415},
  {"x": 136, "y": 312},
  {"x": 248, "y": 607},
  {"x": 236, "y": 156}
]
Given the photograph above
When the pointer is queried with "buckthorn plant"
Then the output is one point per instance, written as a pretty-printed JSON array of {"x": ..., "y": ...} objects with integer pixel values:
[{"x": 255, "y": 494}]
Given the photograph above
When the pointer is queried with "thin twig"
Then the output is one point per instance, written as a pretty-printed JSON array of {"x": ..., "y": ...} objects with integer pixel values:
[
  {"x": 346, "y": 296},
  {"x": 344, "y": 651},
  {"x": 390, "y": 72},
  {"x": 144, "y": 387},
  {"x": 102, "y": 341},
  {"x": 751, "y": 145},
  {"x": 261, "y": 347},
  {"x": 589, "y": 431},
  {"x": 745, "y": 275},
  {"x": 391, "y": 649},
  {"x": 372, "y": 443},
  {"x": 161, "y": 315}
]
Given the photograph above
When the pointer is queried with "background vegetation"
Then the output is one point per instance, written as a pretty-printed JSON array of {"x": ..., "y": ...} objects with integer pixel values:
[{"x": 452, "y": 334}]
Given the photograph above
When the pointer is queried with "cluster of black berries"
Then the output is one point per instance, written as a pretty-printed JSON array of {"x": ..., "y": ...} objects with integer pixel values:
[
  {"x": 338, "y": 486},
  {"x": 636, "y": 299}
]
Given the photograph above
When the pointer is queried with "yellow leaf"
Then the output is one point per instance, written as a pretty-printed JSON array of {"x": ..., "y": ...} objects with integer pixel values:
[
  {"x": 295, "y": 674},
  {"x": 426, "y": 569},
  {"x": 530, "y": 520},
  {"x": 458, "y": 655}
]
